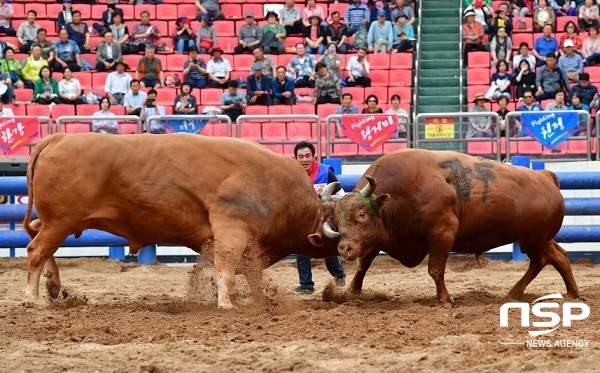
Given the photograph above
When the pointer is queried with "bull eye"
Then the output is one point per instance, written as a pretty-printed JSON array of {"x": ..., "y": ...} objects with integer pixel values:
[{"x": 362, "y": 215}]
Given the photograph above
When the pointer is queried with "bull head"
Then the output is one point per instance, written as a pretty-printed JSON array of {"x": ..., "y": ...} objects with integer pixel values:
[
  {"x": 328, "y": 202},
  {"x": 328, "y": 191}
]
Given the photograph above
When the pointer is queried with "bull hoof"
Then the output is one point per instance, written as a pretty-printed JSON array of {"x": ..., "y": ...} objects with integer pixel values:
[
  {"x": 35, "y": 304},
  {"x": 514, "y": 295},
  {"x": 576, "y": 296},
  {"x": 445, "y": 304},
  {"x": 226, "y": 306},
  {"x": 53, "y": 289}
]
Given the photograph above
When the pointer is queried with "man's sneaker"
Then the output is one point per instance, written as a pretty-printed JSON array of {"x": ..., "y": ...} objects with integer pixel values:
[
  {"x": 304, "y": 290},
  {"x": 340, "y": 281}
]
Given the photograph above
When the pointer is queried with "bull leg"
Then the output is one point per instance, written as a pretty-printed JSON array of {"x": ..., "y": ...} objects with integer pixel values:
[
  {"x": 362, "y": 266},
  {"x": 560, "y": 261},
  {"x": 437, "y": 269},
  {"x": 253, "y": 271},
  {"x": 52, "y": 277},
  {"x": 536, "y": 264}
]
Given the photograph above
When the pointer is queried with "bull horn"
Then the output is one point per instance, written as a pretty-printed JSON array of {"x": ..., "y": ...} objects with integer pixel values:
[
  {"x": 369, "y": 189},
  {"x": 328, "y": 191},
  {"x": 329, "y": 232}
]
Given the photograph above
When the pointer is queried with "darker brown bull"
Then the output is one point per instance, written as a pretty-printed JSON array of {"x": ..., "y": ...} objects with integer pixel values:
[
  {"x": 257, "y": 206},
  {"x": 440, "y": 202}
]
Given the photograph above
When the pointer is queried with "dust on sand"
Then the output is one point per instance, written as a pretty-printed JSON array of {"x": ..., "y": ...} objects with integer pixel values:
[{"x": 126, "y": 318}]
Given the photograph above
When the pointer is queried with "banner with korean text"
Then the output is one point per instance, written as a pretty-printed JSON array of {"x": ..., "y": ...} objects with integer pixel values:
[
  {"x": 550, "y": 128},
  {"x": 16, "y": 132},
  {"x": 369, "y": 131},
  {"x": 194, "y": 126}
]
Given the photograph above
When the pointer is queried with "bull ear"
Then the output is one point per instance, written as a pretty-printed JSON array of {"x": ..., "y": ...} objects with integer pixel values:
[
  {"x": 381, "y": 200},
  {"x": 315, "y": 239}
]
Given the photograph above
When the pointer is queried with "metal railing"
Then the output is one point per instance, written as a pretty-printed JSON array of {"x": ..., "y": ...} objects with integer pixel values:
[
  {"x": 460, "y": 59},
  {"x": 191, "y": 118},
  {"x": 91, "y": 118},
  {"x": 417, "y": 64}
]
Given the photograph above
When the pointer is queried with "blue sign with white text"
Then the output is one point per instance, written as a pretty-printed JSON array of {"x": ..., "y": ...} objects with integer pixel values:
[
  {"x": 194, "y": 126},
  {"x": 550, "y": 128}
]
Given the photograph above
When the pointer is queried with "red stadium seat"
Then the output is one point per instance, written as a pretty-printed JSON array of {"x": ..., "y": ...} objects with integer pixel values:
[
  {"x": 382, "y": 94},
  {"x": 528, "y": 24},
  {"x": 517, "y": 39},
  {"x": 34, "y": 110},
  {"x": 594, "y": 72},
  {"x": 50, "y": 27},
  {"x": 280, "y": 110},
  {"x": 23, "y": 95},
  {"x": 479, "y": 147},
  {"x": 478, "y": 75},
  {"x": 224, "y": 28},
  {"x": 87, "y": 110},
  {"x": 242, "y": 62},
  {"x": 379, "y": 61},
  {"x": 96, "y": 14},
  {"x": 85, "y": 10},
  {"x": 187, "y": 8},
  {"x": 85, "y": 79},
  {"x": 577, "y": 146},
  {"x": 98, "y": 80},
  {"x": 529, "y": 147},
  {"x": 211, "y": 96},
  {"x": 131, "y": 60},
  {"x": 479, "y": 59},
  {"x": 338, "y": 7},
  {"x": 168, "y": 12},
  {"x": 299, "y": 131},
  {"x": 175, "y": 62},
  {"x": 251, "y": 131},
  {"x": 473, "y": 90},
  {"x": 562, "y": 21},
  {"x": 325, "y": 110},
  {"x": 277, "y": 148},
  {"x": 18, "y": 13},
  {"x": 401, "y": 61},
  {"x": 256, "y": 110},
  {"x": 62, "y": 110},
  {"x": 344, "y": 150},
  {"x": 257, "y": 9},
  {"x": 376, "y": 151},
  {"x": 18, "y": 110},
  {"x": 303, "y": 109},
  {"x": 358, "y": 94},
  {"x": 232, "y": 11},
  {"x": 76, "y": 127},
  {"x": 129, "y": 13},
  {"x": 381, "y": 78},
  {"x": 389, "y": 147},
  {"x": 285, "y": 59},
  {"x": 150, "y": 8},
  {"x": 40, "y": 9},
  {"x": 235, "y": 75},
  {"x": 399, "y": 78},
  {"x": 273, "y": 131},
  {"x": 52, "y": 10},
  {"x": 166, "y": 96}
]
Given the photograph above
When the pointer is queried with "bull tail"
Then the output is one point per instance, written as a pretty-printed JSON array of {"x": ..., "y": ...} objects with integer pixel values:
[
  {"x": 33, "y": 229},
  {"x": 552, "y": 176}
]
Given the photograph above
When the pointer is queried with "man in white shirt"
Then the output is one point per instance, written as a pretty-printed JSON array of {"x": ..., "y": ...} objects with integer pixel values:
[
  {"x": 218, "y": 70},
  {"x": 117, "y": 84},
  {"x": 134, "y": 99},
  {"x": 358, "y": 70}
]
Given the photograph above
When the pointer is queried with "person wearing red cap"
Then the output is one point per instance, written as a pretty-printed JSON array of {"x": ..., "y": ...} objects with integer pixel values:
[{"x": 183, "y": 36}]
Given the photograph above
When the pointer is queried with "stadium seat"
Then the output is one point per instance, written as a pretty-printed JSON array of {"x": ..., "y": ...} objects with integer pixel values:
[
  {"x": 129, "y": 13},
  {"x": 18, "y": 110},
  {"x": 23, "y": 95},
  {"x": 85, "y": 79},
  {"x": 389, "y": 147},
  {"x": 382, "y": 94},
  {"x": 478, "y": 75},
  {"x": 76, "y": 127},
  {"x": 169, "y": 12},
  {"x": 479, "y": 147},
  {"x": 242, "y": 62},
  {"x": 150, "y": 8},
  {"x": 257, "y": 9},
  {"x": 577, "y": 146},
  {"x": 473, "y": 90},
  {"x": 277, "y": 148},
  {"x": 96, "y": 14},
  {"x": 299, "y": 131},
  {"x": 236, "y": 74},
  {"x": 18, "y": 13},
  {"x": 189, "y": 9},
  {"x": 232, "y": 11},
  {"x": 251, "y": 131},
  {"x": 529, "y": 147},
  {"x": 399, "y": 78},
  {"x": 62, "y": 110},
  {"x": 86, "y": 12},
  {"x": 291, "y": 41},
  {"x": 35, "y": 110},
  {"x": 358, "y": 94},
  {"x": 325, "y": 110},
  {"x": 517, "y": 39},
  {"x": 344, "y": 150},
  {"x": 175, "y": 62},
  {"x": 131, "y": 60},
  {"x": 379, "y": 61},
  {"x": 211, "y": 96},
  {"x": 303, "y": 109},
  {"x": 528, "y": 24},
  {"x": 379, "y": 78},
  {"x": 274, "y": 131},
  {"x": 87, "y": 110},
  {"x": 50, "y": 27},
  {"x": 285, "y": 59},
  {"x": 338, "y": 7},
  {"x": 256, "y": 110},
  {"x": 98, "y": 80},
  {"x": 480, "y": 59},
  {"x": 280, "y": 110},
  {"x": 224, "y": 28},
  {"x": 376, "y": 151},
  {"x": 166, "y": 96},
  {"x": 562, "y": 21},
  {"x": 220, "y": 129},
  {"x": 40, "y": 9},
  {"x": 401, "y": 61},
  {"x": 594, "y": 72}
]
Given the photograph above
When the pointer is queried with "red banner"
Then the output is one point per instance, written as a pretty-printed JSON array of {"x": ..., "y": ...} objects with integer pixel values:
[
  {"x": 16, "y": 132},
  {"x": 369, "y": 131}
]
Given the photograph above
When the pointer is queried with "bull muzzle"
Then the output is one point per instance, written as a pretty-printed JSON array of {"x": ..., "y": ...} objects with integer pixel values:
[
  {"x": 328, "y": 191},
  {"x": 329, "y": 232}
]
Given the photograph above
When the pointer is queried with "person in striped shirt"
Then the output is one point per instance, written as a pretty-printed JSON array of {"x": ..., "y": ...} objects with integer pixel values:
[{"x": 357, "y": 15}]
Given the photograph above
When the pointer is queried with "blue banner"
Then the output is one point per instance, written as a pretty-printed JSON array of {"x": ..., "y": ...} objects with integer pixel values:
[
  {"x": 550, "y": 128},
  {"x": 194, "y": 126}
]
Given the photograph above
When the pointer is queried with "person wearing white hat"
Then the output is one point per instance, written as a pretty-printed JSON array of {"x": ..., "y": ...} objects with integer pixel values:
[
  {"x": 472, "y": 34},
  {"x": 480, "y": 126},
  {"x": 571, "y": 62},
  {"x": 7, "y": 94}
]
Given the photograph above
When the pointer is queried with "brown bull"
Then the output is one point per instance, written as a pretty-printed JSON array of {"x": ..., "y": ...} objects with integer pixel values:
[
  {"x": 440, "y": 202},
  {"x": 257, "y": 206}
]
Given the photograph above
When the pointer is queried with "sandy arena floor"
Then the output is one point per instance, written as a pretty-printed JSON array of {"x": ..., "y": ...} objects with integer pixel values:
[{"x": 127, "y": 318}]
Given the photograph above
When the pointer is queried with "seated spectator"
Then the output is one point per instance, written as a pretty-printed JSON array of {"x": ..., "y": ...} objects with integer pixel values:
[
  {"x": 381, "y": 35},
  {"x": 315, "y": 35},
  {"x": 282, "y": 88},
  {"x": 66, "y": 15},
  {"x": 500, "y": 82},
  {"x": 403, "y": 34},
  {"x": 358, "y": 70},
  {"x": 572, "y": 34},
  {"x": 576, "y": 104},
  {"x": 211, "y": 8},
  {"x": 357, "y": 16},
  {"x": 529, "y": 104},
  {"x": 501, "y": 19},
  {"x": 108, "y": 54},
  {"x": 472, "y": 36},
  {"x": 233, "y": 102},
  {"x": 401, "y": 7},
  {"x": 543, "y": 15},
  {"x": 310, "y": 10},
  {"x": 501, "y": 48},
  {"x": 545, "y": 45},
  {"x": 303, "y": 68},
  {"x": 121, "y": 34},
  {"x": 327, "y": 86},
  {"x": 7, "y": 93},
  {"x": 290, "y": 17},
  {"x": 372, "y": 101},
  {"x": 12, "y": 67},
  {"x": 105, "y": 125},
  {"x": 266, "y": 61},
  {"x": 117, "y": 84},
  {"x": 134, "y": 99},
  {"x": 331, "y": 59},
  {"x": 258, "y": 87},
  {"x": 32, "y": 67},
  {"x": 591, "y": 47},
  {"x": 273, "y": 35},
  {"x": 502, "y": 111},
  {"x": 524, "y": 79},
  {"x": 524, "y": 55},
  {"x": 5, "y": 111},
  {"x": 45, "y": 91},
  {"x": 482, "y": 10},
  {"x": 28, "y": 32},
  {"x": 562, "y": 8},
  {"x": 206, "y": 37},
  {"x": 218, "y": 70},
  {"x": 570, "y": 63},
  {"x": 185, "y": 102},
  {"x": 480, "y": 126},
  {"x": 69, "y": 89},
  {"x": 67, "y": 53},
  {"x": 520, "y": 8},
  {"x": 149, "y": 109},
  {"x": 107, "y": 17},
  {"x": 550, "y": 79},
  {"x": 249, "y": 36},
  {"x": 183, "y": 36},
  {"x": 558, "y": 104},
  {"x": 144, "y": 34},
  {"x": 588, "y": 15},
  {"x": 150, "y": 70},
  {"x": 589, "y": 92},
  {"x": 194, "y": 70},
  {"x": 346, "y": 106},
  {"x": 336, "y": 33},
  {"x": 79, "y": 33},
  {"x": 380, "y": 6},
  {"x": 48, "y": 47},
  {"x": 6, "y": 14},
  {"x": 397, "y": 110}
]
